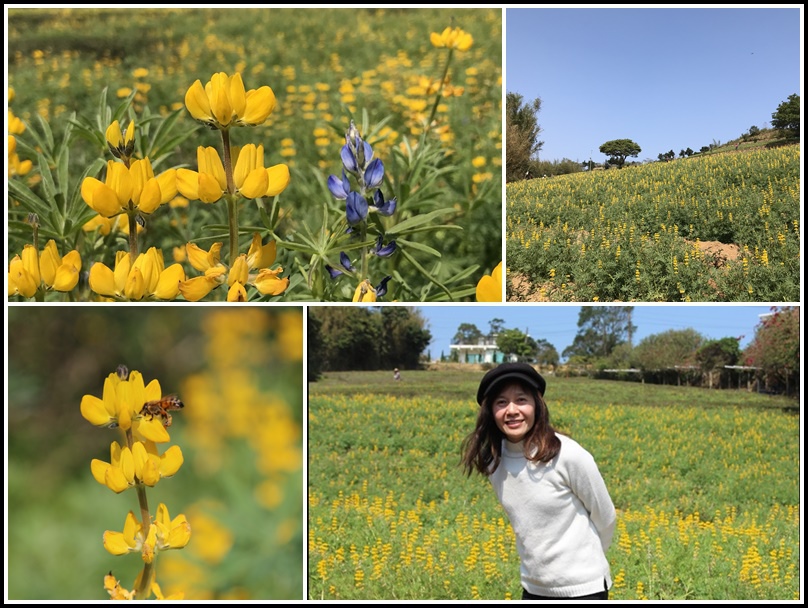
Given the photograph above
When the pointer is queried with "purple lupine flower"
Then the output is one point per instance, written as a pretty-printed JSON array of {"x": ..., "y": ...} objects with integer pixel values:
[
  {"x": 333, "y": 271},
  {"x": 384, "y": 207},
  {"x": 339, "y": 187},
  {"x": 374, "y": 174},
  {"x": 356, "y": 208},
  {"x": 384, "y": 250},
  {"x": 381, "y": 288},
  {"x": 346, "y": 261}
]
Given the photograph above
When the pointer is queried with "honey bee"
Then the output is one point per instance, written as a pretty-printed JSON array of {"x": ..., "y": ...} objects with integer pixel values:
[{"x": 162, "y": 407}]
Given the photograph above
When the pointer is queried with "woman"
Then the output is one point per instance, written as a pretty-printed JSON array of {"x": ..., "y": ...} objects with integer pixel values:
[{"x": 550, "y": 487}]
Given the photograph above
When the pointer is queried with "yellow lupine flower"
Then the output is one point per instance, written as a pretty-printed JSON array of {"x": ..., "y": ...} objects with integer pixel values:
[
  {"x": 33, "y": 271},
  {"x": 129, "y": 188},
  {"x": 120, "y": 143},
  {"x": 364, "y": 292},
  {"x": 251, "y": 179},
  {"x": 146, "y": 278},
  {"x": 223, "y": 102},
  {"x": 120, "y": 406},
  {"x": 452, "y": 38},
  {"x": 489, "y": 288}
]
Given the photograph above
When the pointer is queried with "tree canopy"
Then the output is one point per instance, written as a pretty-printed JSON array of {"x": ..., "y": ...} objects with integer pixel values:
[
  {"x": 515, "y": 342},
  {"x": 787, "y": 116},
  {"x": 359, "y": 338},
  {"x": 601, "y": 329},
  {"x": 521, "y": 135},
  {"x": 619, "y": 149},
  {"x": 775, "y": 350}
]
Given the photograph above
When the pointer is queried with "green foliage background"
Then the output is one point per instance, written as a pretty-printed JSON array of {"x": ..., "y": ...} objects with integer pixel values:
[
  {"x": 325, "y": 66},
  {"x": 57, "y": 512}
]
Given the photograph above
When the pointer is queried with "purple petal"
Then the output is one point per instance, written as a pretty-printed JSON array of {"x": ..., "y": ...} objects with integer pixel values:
[
  {"x": 374, "y": 174},
  {"x": 356, "y": 208}
]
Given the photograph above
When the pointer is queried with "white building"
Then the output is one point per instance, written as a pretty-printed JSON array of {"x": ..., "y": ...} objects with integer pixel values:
[{"x": 484, "y": 351}]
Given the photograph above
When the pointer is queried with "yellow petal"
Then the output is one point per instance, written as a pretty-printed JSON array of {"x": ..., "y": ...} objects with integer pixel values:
[
  {"x": 153, "y": 430},
  {"x": 115, "y": 543},
  {"x": 250, "y": 157},
  {"x": 171, "y": 461},
  {"x": 73, "y": 258},
  {"x": 237, "y": 95},
  {"x": 364, "y": 292},
  {"x": 268, "y": 283},
  {"x": 135, "y": 287},
  {"x": 66, "y": 279},
  {"x": 49, "y": 261},
  {"x": 99, "y": 470},
  {"x": 210, "y": 163},
  {"x": 489, "y": 290},
  {"x": 30, "y": 261},
  {"x": 203, "y": 260},
  {"x": 94, "y": 411},
  {"x": 150, "y": 197},
  {"x": 121, "y": 181},
  {"x": 260, "y": 103},
  {"x": 20, "y": 280},
  {"x": 217, "y": 90},
  {"x": 237, "y": 293},
  {"x": 115, "y": 480},
  {"x": 261, "y": 256},
  {"x": 196, "y": 100},
  {"x": 209, "y": 188},
  {"x": 278, "y": 179},
  {"x": 100, "y": 197},
  {"x": 102, "y": 280},
  {"x": 168, "y": 185},
  {"x": 256, "y": 184},
  {"x": 114, "y": 135},
  {"x": 197, "y": 288},
  {"x": 180, "y": 533},
  {"x": 239, "y": 272},
  {"x": 168, "y": 287},
  {"x": 188, "y": 183}
]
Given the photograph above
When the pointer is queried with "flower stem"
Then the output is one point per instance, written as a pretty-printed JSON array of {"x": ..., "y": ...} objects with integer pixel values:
[
  {"x": 232, "y": 220},
  {"x": 440, "y": 90},
  {"x": 232, "y": 202},
  {"x": 132, "y": 237}
]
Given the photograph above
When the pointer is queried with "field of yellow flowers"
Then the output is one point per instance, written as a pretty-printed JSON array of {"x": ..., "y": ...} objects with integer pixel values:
[
  {"x": 378, "y": 131},
  {"x": 706, "y": 486},
  {"x": 231, "y": 480},
  {"x": 714, "y": 228}
]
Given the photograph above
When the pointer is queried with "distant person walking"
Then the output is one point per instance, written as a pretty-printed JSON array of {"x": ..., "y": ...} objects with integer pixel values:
[
  {"x": 548, "y": 484},
  {"x": 396, "y": 375}
]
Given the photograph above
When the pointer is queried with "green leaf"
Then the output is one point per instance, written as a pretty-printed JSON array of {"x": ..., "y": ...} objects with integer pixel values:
[
  {"x": 418, "y": 246},
  {"x": 426, "y": 274},
  {"x": 419, "y": 220},
  {"x": 30, "y": 201}
]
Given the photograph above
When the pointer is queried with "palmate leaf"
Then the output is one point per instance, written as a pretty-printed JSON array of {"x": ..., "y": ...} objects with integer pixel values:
[{"x": 407, "y": 226}]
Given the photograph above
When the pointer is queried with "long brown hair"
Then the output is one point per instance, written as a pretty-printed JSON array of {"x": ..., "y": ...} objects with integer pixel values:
[{"x": 482, "y": 448}]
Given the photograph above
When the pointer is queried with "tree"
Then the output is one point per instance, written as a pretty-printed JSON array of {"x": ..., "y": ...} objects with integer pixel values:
[
  {"x": 514, "y": 342},
  {"x": 667, "y": 350},
  {"x": 787, "y": 116},
  {"x": 495, "y": 326},
  {"x": 713, "y": 355},
  {"x": 314, "y": 347},
  {"x": 619, "y": 149},
  {"x": 360, "y": 338},
  {"x": 601, "y": 329},
  {"x": 467, "y": 333},
  {"x": 521, "y": 134},
  {"x": 404, "y": 337},
  {"x": 546, "y": 353},
  {"x": 775, "y": 350}
]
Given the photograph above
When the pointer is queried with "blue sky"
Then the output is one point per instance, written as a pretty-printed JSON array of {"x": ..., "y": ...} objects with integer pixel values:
[
  {"x": 666, "y": 78},
  {"x": 558, "y": 323}
]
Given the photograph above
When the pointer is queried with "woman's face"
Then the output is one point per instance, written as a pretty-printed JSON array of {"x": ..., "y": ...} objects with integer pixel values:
[{"x": 514, "y": 411}]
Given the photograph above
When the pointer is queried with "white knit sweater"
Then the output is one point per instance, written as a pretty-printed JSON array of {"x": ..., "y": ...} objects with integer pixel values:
[{"x": 562, "y": 516}]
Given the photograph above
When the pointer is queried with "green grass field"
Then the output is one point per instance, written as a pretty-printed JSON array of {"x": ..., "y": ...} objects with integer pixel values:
[
  {"x": 722, "y": 227},
  {"x": 706, "y": 484}
]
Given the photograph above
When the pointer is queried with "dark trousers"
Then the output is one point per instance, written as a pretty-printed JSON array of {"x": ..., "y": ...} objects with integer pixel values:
[{"x": 600, "y": 595}]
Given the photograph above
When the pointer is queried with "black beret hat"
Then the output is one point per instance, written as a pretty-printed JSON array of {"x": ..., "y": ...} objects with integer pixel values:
[{"x": 522, "y": 372}]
